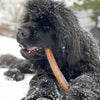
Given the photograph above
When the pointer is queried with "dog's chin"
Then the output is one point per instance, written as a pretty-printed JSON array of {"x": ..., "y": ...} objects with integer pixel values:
[{"x": 33, "y": 53}]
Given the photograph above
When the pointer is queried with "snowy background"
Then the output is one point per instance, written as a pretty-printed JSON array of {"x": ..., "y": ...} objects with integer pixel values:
[{"x": 9, "y": 89}]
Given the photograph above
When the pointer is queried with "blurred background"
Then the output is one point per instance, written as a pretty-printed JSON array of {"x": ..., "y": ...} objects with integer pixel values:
[{"x": 87, "y": 11}]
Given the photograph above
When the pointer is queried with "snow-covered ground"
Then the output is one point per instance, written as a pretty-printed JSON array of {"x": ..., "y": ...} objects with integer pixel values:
[{"x": 11, "y": 90}]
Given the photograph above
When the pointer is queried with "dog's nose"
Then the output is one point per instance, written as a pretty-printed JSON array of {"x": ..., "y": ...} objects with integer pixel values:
[{"x": 23, "y": 33}]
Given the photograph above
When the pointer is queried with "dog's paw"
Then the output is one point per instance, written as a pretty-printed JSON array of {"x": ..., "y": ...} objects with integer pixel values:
[{"x": 14, "y": 74}]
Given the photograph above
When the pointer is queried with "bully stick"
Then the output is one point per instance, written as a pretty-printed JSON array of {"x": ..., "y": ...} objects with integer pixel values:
[{"x": 58, "y": 74}]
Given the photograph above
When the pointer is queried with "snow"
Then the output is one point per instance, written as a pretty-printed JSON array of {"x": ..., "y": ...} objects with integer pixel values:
[
  {"x": 9, "y": 46},
  {"x": 11, "y": 8},
  {"x": 12, "y": 90}
]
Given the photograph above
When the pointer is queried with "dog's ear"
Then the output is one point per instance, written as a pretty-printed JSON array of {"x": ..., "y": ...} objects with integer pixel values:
[
  {"x": 71, "y": 43},
  {"x": 68, "y": 30},
  {"x": 73, "y": 50}
]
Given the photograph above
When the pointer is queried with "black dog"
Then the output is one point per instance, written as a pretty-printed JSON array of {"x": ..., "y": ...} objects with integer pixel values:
[{"x": 49, "y": 24}]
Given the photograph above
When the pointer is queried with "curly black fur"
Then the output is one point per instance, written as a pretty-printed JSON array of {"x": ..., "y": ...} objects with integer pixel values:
[{"x": 49, "y": 24}]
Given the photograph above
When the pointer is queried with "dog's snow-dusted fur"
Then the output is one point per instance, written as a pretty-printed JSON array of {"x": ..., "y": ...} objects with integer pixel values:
[{"x": 75, "y": 51}]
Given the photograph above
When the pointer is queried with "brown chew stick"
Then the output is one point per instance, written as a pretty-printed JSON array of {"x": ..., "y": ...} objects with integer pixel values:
[{"x": 58, "y": 74}]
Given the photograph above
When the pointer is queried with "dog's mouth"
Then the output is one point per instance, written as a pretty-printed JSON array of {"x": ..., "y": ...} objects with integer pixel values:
[{"x": 34, "y": 51}]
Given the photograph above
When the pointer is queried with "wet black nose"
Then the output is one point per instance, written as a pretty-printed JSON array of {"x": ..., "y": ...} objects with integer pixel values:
[{"x": 23, "y": 33}]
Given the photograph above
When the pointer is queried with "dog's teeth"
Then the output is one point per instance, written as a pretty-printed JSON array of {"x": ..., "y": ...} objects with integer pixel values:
[
  {"x": 29, "y": 51},
  {"x": 37, "y": 49},
  {"x": 23, "y": 47},
  {"x": 40, "y": 48}
]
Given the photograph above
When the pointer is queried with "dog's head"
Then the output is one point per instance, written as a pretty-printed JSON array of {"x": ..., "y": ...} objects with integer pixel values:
[
  {"x": 37, "y": 30},
  {"x": 48, "y": 24}
]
